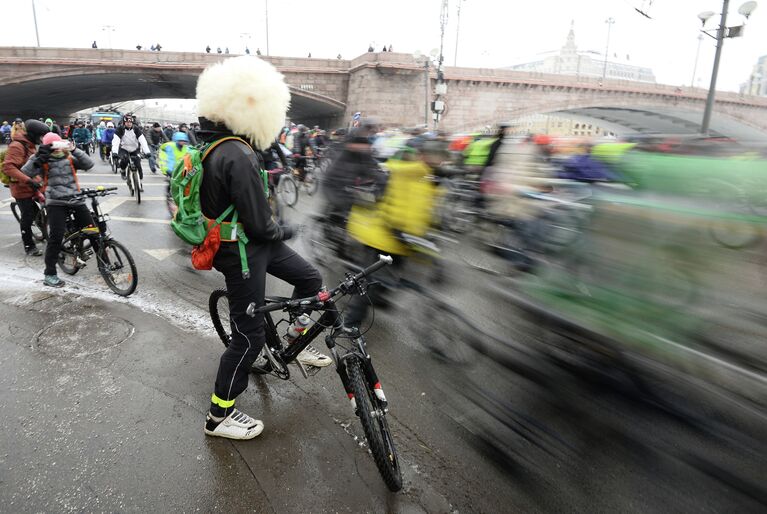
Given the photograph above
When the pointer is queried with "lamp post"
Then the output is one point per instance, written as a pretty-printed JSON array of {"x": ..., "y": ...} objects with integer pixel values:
[
  {"x": 266, "y": 9},
  {"x": 426, "y": 61},
  {"x": 722, "y": 31},
  {"x": 695, "y": 67},
  {"x": 457, "y": 29},
  {"x": 34, "y": 15},
  {"x": 108, "y": 29},
  {"x": 609, "y": 22}
]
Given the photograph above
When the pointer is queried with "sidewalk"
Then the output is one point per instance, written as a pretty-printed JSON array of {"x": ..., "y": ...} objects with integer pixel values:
[{"x": 103, "y": 411}]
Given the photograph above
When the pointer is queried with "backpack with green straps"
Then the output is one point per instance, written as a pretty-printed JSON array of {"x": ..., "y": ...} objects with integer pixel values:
[{"x": 190, "y": 224}]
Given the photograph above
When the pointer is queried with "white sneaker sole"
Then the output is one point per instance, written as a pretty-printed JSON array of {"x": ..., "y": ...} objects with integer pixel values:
[
  {"x": 316, "y": 364},
  {"x": 240, "y": 436}
]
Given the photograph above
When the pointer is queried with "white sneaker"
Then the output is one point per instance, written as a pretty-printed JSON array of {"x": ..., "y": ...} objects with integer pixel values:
[
  {"x": 309, "y": 356},
  {"x": 236, "y": 425}
]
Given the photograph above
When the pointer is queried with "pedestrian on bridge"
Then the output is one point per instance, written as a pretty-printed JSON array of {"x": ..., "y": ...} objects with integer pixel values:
[
  {"x": 94, "y": 45},
  {"x": 258, "y": 51},
  {"x": 218, "y": 50},
  {"x": 138, "y": 47},
  {"x": 226, "y": 51},
  {"x": 158, "y": 47}
]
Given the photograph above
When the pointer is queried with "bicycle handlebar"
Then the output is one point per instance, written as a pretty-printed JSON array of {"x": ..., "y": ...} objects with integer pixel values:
[
  {"x": 99, "y": 191},
  {"x": 323, "y": 296}
]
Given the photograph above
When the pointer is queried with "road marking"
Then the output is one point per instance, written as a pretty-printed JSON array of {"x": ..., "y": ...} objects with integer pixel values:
[
  {"x": 109, "y": 184},
  {"x": 111, "y": 204},
  {"x": 139, "y": 220},
  {"x": 161, "y": 253}
]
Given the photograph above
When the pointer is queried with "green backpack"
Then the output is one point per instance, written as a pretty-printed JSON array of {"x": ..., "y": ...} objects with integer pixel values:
[{"x": 190, "y": 224}]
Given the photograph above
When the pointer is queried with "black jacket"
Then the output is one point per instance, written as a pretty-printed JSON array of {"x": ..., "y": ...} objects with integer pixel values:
[
  {"x": 156, "y": 137},
  {"x": 231, "y": 177}
]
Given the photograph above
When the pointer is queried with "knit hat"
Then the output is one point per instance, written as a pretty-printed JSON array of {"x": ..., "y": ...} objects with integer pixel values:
[{"x": 51, "y": 137}]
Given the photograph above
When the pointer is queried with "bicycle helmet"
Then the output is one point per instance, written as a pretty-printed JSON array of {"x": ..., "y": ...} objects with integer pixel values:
[
  {"x": 35, "y": 130},
  {"x": 180, "y": 136}
]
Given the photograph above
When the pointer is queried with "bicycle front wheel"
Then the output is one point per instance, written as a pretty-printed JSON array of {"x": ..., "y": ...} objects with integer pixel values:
[
  {"x": 117, "y": 268},
  {"x": 137, "y": 186},
  {"x": 373, "y": 419},
  {"x": 287, "y": 190}
]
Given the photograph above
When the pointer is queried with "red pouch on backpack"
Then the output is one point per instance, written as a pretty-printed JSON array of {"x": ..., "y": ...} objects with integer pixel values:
[{"x": 202, "y": 255}]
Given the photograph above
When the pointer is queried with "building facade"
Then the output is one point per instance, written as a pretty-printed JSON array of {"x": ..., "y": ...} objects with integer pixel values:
[
  {"x": 757, "y": 81},
  {"x": 570, "y": 61}
]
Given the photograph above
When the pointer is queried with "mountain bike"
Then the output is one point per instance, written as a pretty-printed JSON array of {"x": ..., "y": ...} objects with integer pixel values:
[
  {"x": 134, "y": 181},
  {"x": 40, "y": 223},
  {"x": 115, "y": 262},
  {"x": 353, "y": 363}
]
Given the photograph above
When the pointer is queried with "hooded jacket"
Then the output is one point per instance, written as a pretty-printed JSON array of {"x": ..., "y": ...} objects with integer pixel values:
[
  {"x": 60, "y": 174},
  {"x": 19, "y": 151}
]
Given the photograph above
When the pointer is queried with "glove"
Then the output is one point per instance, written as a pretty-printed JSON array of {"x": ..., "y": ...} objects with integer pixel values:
[
  {"x": 42, "y": 155},
  {"x": 35, "y": 185},
  {"x": 288, "y": 231}
]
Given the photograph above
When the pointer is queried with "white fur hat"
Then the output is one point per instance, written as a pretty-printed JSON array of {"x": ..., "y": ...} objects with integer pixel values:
[{"x": 247, "y": 95}]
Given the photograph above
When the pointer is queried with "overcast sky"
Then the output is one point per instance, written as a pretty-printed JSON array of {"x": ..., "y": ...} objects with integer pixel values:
[{"x": 493, "y": 33}]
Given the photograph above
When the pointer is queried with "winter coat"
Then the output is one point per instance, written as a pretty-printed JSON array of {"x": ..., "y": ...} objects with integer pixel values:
[
  {"x": 82, "y": 136},
  {"x": 168, "y": 155},
  {"x": 107, "y": 136},
  {"x": 348, "y": 170},
  {"x": 19, "y": 151},
  {"x": 406, "y": 207},
  {"x": 120, "y": 132},
  {"x": 156, "y": 137},
  {"x": 60, "y": 175},
  {"x": 232, "y": 177}
]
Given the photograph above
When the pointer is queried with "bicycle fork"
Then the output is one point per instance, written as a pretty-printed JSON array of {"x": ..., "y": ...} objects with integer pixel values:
[{"x": 370, "y": 374}]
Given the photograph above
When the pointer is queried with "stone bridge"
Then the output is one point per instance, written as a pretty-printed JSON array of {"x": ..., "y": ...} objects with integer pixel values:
[{"x": 389, "y": 86}]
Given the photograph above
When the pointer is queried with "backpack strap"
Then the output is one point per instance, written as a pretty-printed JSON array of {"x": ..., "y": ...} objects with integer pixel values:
[
  {"x": 264, "y": 175},
  {"x": 239, "y": 236}
]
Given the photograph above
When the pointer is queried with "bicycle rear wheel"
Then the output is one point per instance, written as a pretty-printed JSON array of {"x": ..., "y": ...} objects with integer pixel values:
[
  {"x": 373, "y": 419},
  {"x": 117, "y": 267},
  {"x": 68, "y": 257},
  {"x": 218, "y": 306}
]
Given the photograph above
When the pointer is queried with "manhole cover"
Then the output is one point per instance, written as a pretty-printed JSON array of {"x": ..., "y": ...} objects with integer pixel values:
[{"x": 79, "y": 336}]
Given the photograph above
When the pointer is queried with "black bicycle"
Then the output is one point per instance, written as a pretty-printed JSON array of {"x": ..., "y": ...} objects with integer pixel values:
[
  {"x": 353, "y": 365},
  {"x": 115, "y": 262},
  {"x": 40, "y": 223},
  {"x": 134, "y": 181}
]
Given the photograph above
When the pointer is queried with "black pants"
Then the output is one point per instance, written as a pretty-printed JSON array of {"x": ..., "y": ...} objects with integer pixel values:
[
  {"x": 248, "y": 337},
  {"x": 57, "y": 225},
  {"x": 28, "y": 210},
  {"x": 123, "y": 157}
]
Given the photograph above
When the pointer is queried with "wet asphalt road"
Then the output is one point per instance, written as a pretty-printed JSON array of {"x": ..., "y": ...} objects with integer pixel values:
[{"x": 105, "y": 399}]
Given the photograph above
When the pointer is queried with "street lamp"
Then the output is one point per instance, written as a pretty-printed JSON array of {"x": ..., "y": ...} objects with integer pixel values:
[
  {"x": 609, "y": 22},
  {"x": 108, "y": 29},
  {"x": 722, "y": 32},
  {"x": 695, "y": 67},
  {"x": 34, "y": 15}
]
